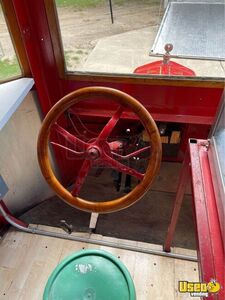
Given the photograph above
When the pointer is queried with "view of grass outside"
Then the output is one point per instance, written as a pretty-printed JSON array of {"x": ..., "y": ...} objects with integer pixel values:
[
  {"x": 79, "y": 3},
  {"x": 9, "y": 66},
  {"x": 87, "y": 3}
]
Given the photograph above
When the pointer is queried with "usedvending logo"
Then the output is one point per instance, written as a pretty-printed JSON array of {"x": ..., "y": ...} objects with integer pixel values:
[{"x": 199, "y": 289}]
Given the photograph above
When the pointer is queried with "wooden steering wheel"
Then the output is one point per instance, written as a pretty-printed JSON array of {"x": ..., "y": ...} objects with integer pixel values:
[{"x": 98, "y": 150}]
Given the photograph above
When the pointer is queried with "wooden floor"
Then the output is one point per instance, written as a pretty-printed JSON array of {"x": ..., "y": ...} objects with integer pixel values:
[{"x": 27, "y": 260}]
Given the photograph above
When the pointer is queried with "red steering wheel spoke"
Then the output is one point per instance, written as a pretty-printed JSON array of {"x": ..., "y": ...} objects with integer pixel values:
[
  {"x": 106, "y": 131},
  {"x": 81, "y": 176},
  {"x": 112, "y": 163},
  {"x": 132, "y": 154},
  {"x": 75, "y": 141},
  {"x": 78, "y": 154}
]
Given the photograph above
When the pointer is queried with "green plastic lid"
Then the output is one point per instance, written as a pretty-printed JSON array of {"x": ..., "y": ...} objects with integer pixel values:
[{"x": 90, "y": 275}]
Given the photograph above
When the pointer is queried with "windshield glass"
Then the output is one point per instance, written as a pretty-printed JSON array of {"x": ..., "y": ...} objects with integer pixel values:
[{"x": 131, "y": 37}]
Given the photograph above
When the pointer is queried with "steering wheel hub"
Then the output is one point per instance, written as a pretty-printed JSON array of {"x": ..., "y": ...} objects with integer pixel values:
[{"x": 93, "y": 153}]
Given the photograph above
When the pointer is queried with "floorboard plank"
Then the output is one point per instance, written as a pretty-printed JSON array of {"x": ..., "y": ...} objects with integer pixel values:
[{"x": 26, "y": 262}]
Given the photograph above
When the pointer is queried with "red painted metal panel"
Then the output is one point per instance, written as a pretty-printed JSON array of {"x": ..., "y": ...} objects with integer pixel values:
[
  {"x": 166, "y": 100},
  {"x": 214, "y": 228},
  {"x": 107, "y": 112},
  {"x": 220, "y": 202},
  {"x": 211, "y": 245}
]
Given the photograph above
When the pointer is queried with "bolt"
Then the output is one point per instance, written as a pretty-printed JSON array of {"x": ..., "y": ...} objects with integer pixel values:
[
  {"x": 206, "y": 145},
  {"x": 93, "y": 153},
  {"x": 168, "y": 47}
]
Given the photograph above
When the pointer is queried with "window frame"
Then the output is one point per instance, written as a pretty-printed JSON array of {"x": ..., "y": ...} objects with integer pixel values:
[
  {"x": 16, "y": 38},
  {"x": 54, "y": 28}
]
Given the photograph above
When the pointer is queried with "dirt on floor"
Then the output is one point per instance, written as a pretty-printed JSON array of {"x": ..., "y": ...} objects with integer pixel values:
[{"x": 81, "y": 29}]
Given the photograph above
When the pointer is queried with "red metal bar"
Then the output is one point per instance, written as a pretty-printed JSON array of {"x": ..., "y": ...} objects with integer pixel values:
[
  {"x": 3, "y": 221},
  {"x": 210, "y": 243},
  {"x": 10, "y": 216},
  {"x": 108, "y": 128},
  {"x": 83, "y": 172},
  {"x": 183, "y": 179},
  {"x": 70, "y": 138}
]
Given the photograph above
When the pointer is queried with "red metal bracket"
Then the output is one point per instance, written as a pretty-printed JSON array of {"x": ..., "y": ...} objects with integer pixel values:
[
  {"x": 7, "y": 216},
  {"x": 210, "y": 243},
  {"x": 183, "y": 179}
]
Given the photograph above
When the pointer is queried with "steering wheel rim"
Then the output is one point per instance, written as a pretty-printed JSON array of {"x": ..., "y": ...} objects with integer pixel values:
[{"x": 124, "y": 100}]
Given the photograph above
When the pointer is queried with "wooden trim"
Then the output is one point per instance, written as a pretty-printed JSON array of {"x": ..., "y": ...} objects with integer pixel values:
[
  {"x": 146, "y": 79},
  {"x": 55, "y": 33},
  {"x": 10, "y": 79},
  {"x": 16, "y": 37}
]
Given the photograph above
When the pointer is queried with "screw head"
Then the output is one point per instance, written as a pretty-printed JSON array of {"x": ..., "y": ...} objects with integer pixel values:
[
  {"x": 168, "y": 47},
  {"x": 93, "y": 153}
]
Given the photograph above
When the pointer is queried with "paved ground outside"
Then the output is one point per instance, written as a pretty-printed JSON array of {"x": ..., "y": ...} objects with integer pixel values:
[
  {"x": 93, "y": 44},
  {"x": 82, "y": 29}
]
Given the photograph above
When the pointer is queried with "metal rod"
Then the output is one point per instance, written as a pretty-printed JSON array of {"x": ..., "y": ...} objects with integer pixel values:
[
  {"x": 111, "y": 11},
  {"x": 34, "y": 230},
  {"x": 184, "y": 176}
]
